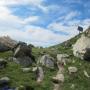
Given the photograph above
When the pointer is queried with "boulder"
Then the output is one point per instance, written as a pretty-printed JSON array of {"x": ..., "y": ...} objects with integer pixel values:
[
  {"x": 72, "y": 70},
  {"x": 3, "y": 48},
  {"x": 47, "y": 61},
  {"x": 81, "y": 48},
  {"x": 22, "y": 50},
  {"x": 61, "y": 59},
  {"x": 22, "y": 54},
  {"x": 4, "y": 81},
  {"x": 24, "y": 61},
  {"x": 3, "y": 63}
]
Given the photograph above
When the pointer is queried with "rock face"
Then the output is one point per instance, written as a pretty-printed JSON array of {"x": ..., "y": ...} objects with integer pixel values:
[
  {"x": 6, "y": 43},
  {"x": 47, "y": 61},
  {"x": 81, "y": 48},
  {"x": 3, "y": 63},
  {"x": 22, "y": 54}
]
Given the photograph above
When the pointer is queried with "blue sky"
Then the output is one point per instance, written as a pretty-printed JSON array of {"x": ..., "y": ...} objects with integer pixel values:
[{"x": 43, "y": 22}]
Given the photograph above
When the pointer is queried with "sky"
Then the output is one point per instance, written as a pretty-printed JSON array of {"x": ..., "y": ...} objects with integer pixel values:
[{"x": 43, "y": 22}]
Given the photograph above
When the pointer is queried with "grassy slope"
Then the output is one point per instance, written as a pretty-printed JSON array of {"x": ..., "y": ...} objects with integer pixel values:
[{"x": 19, "y": 78}]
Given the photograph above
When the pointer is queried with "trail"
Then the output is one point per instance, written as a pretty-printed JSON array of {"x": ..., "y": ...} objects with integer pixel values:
[{"x": 59, "y": 77}]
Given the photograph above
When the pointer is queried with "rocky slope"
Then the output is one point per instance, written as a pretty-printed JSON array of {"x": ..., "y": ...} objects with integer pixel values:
[{"x": 69, "y": 72}]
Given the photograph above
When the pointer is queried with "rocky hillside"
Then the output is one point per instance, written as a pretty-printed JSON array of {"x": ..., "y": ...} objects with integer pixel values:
[{"x": 53, "y": 68}]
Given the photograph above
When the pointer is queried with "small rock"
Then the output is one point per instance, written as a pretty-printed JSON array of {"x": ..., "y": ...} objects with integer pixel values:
[
  {"x": 59, "y": 78},
  {"x": 26, "y": 70},
  {"x": 72, "y": 70},
  {"x": 4, "y": 80},
  {"x": 34, "y": 69},
  {"x": 86, "y": 74},
  {"x": 72, "y": 86}
]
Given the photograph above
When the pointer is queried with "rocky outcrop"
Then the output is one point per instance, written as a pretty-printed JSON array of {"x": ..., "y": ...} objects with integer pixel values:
[
  {"x": 6, "y": 43},
  {"x": 47, "y": 61},
  {"x": 81, "y": 48}
]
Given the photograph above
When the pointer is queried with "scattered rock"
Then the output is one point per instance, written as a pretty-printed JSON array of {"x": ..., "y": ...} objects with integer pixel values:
[
  {"x": 47, "y": 61},
  {"x": 3, "y": 63},
  {"x": 26, "y": 70},
  {"x": 72, "y": 70}
]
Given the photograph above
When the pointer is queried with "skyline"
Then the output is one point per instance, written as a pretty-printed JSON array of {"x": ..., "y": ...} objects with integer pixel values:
[{"x": 43, "y": 22}]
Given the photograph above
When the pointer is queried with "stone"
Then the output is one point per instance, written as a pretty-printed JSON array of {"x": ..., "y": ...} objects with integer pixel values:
[
  {"x": 4, "y": 81},
  {"x": 34, "y": 69},
  {"x": 22, "y": 54},
  {"x": 24, "y": 61},
  {"x": 58, "y": 79},
  {"x": 3, "y": 63},
  {"x": 26, "y": 70},
  {"x": 40, "y": 74},
  {"x": 47, "y": 61},
  {"x": 86, "y": 74},
  {"x": 62, "y": 59},
  {"x": 81, "y": 48},
  {"x": 72, "y": 70}
]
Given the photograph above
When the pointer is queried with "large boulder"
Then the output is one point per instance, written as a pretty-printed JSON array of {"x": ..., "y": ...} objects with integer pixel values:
[
  {"x": 81, "y": 48},
  {"x": 22, "y": 54},
  {"x": 47, "y": 61}
]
